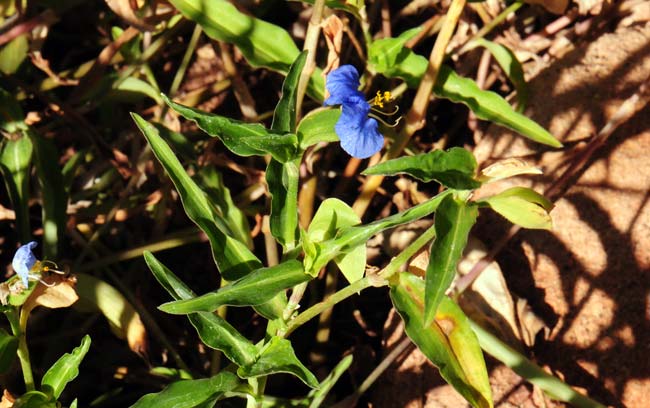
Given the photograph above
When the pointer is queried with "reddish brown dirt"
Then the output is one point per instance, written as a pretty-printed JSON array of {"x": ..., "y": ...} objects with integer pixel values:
[{"x": 588, "y": 278}]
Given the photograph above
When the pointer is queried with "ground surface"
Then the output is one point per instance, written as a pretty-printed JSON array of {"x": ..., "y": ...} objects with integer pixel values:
[{"x": 588, "y": 278}]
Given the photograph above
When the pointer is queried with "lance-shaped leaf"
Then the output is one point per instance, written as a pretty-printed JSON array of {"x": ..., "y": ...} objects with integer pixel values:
[
  {"x": 214, "y": 331},
  {"x": 284, "y": 116},
  {"x": 453, "y": 221},
  {"x": 65, "y": 369},
  {"x": 232, "y": 256},
  {"x": 190, "y": 393},
  {"x": 282, "y": 179},
  {"x": 486, "y": 105},
  {"x": 333, "y": 215},
  {"x": 509, "y": 63},
  {"x": 448, "y": 341},
  {"x": 318, "y": 126},
  {"x": 262, "y": 43},
  {"x": 278, "y": 357},
  {"x": 8, "y": 348},
  {"x": 522, "y": 206},
  {"x": 454, "y": 168},
  {"x": 256, "y": 288},
  {"x": 15, "y": 163},
  {"x": 55, "y": 198},
  {"x": 243, "y": 139}
]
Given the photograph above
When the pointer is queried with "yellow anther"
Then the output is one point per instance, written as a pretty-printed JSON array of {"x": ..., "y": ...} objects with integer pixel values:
[{"x": 380, "y": 98}]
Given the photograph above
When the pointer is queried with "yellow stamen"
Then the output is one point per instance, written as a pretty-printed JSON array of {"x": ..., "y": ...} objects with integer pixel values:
[{"x": 380, "y": 98}]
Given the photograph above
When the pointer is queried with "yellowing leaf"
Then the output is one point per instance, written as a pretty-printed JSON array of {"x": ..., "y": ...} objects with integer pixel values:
[
  {"x": 507, "y": 168},
  {"x": 122, "y": 317}
]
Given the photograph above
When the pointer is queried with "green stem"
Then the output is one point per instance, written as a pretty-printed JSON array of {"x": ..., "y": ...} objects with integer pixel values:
[
  {"x": 490, "y": 26},
  {"x": 397, "y": 262},
  {"x": 19, "y": 328},
  {"x": 531, "y": 371},
  {"x": 185, "y": 62}
]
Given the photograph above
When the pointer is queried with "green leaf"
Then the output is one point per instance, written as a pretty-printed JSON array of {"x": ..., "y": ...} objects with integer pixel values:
[
  {"x": 256, "y": 288},
  {"x": 214, "y": 331},
  {"x": 55, "y": 198},
  {"x": 508, "y": 62},
  {"x": 388, "y": 56},
  {"x": 333, "y": 215},
  {"x": 218, "y": 195},
  {"x": 15, "y": 163},
  {"x": 454, "y": 219},
  {"x": 317, "y": 396},
  {"x": 284, "y": 116},
  {"x": 190, "y": 393},
  {"x": 278, "y": 357},
  {"x": 232, "y": 256},
  {"x": 8, "y": 348},
  {"x": 454, "y": 168},
  {"x": 243, "y": 139},
  {"x": 490, "y": 106},
  {"x": 134, "y": 89},
  {"x": 13, "y": 54},
  {"x": 34, "y": 399},
  {"x": 65, "y": 369},
  {"x": 11, "y": 115},
  {"x": 523, "y": 206},
  {"x": 351, "y": 237},
  {"x": 404, "y": 63},
  {"x": 263, "y": 44},
  {"x": 318, "y": 126},
  {"x": 282, "y": 179},
  {"x": 448, "y": 341}
]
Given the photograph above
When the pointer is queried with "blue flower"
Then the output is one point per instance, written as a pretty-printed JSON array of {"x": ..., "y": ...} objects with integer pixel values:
[
  {"x": 23, "y": 261},
  {"x": 358, "y": 133}
]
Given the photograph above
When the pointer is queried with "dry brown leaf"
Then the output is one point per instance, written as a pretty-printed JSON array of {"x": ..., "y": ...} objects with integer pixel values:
[
  {"x": 333, "y": 32},
  {"x": 507, "y": 168},
  {"x": 60, "y": 293},
  {"x": 489, "y": 301},
  {"x": 554, "y": 6},
  {"x": 123, "y": 9},
  {"x": 7, "y": 400}
]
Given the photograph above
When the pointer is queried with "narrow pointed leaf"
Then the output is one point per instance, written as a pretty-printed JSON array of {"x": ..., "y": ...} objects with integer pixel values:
[
  {"x": 278, "y": 357},
  {"x": 284, "y": 116},
  {"x": 448, "y": 341},
  {"x": 214, "y": 331},
  {"x": 523, "y": 206},
  {"x": 55, "y": 198},
  {"x": 256, "y": 288},
  {"x": 190, "y": 393},
  {"x": 263, "y": 44},
  {"x": 15, "y": 164},
  {"x": 232, "y": 256},
  {"x": 243, "y": 139},
  {"x": 65, "y": 369},
  {"x": 8, "y": 348},
  {"x": 283, "y": 179},
  {"x": 454, "y": 168},
  {"x": 509, "y": 63},
  {"x": 453, "y": 221}
]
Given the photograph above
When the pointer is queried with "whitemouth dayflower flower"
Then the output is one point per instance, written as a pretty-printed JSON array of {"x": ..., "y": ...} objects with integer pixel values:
[
  {"x": 357, "y": 131},
  {"x": 24, "y": 261},
  {"x": 28, "y": 268}
]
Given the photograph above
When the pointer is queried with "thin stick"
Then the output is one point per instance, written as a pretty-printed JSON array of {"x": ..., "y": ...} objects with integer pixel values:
[{"x": 311, "y": 45}]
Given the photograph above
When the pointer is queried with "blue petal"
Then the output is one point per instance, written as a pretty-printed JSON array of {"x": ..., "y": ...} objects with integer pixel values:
[
  {"x": 359, "y": 135},
  {"x": 23, "y": 261},
  {"x": 342, "y": 83}
]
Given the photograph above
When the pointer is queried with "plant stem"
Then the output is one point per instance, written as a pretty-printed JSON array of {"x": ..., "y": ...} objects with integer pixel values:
[
  {"x": 408, "y": 252},
  {"x": 19, "y": 329},
  {"x": 490, "y": 26},
  {"x": 315, "y": 310},
  {"x": 531, "y": 371},
  {"x": 311, "y": 44},
  {"x": 185, "y": 62}
]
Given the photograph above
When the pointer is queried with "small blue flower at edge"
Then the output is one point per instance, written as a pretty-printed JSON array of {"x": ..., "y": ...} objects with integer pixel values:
[
  {"x": 358, "y": 133},
  {"x": 23, "y": 261}
]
